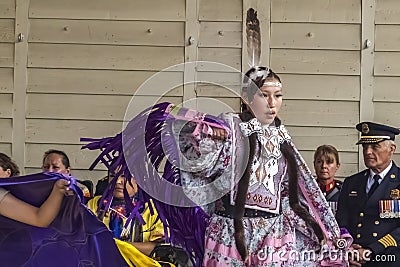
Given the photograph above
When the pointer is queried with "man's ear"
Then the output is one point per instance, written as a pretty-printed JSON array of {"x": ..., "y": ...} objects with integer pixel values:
[
  {"x": 8, "y": 171},
  {"x": 393, "y": 148}
]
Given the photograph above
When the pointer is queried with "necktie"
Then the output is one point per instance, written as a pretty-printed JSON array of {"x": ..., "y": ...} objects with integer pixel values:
[{"x": 374, "y": 185}]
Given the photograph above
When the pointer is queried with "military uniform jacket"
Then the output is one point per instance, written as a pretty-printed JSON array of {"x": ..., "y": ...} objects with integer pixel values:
[
  {"x": 332, "y": 194},
  {"x": 360, "y": 214}
]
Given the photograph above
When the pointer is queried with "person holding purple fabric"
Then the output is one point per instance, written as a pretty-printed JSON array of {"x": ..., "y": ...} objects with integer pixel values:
[
  {"x": 57, "y": 161},
  {"x": 16, "y": 209},
  {"x": 41, "y": 227},
  {"x": 21, "y": 211}
]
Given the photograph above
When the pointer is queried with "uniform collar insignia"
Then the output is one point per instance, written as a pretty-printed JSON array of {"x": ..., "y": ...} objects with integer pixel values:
[
  {"x": 395, "y": 194},
  {"x": 327, "y": 187}
]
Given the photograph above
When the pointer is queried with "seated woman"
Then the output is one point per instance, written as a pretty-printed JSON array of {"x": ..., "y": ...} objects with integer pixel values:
[
  {"x": 57, "y": 161},
  {"x": 143, "y": 237},
  {"x": 8, "y": 168},
  {"x": 137, "y": 240}
]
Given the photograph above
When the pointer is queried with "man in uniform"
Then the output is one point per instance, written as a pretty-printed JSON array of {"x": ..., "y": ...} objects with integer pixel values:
[{"x": 368, "y": 203}]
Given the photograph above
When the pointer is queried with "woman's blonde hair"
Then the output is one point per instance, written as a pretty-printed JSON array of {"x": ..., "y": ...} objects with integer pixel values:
[{"x": 329, "y": 152}]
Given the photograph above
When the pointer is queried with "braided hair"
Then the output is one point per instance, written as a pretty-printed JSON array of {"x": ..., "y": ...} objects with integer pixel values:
[{"x": 253, "y": 80}]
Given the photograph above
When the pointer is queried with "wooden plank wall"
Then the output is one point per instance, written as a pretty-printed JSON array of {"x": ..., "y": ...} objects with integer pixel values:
[
  {"x": 315, "y": 47},
  {"x": 86, "y": 60},
  {"x": 220, "y": 41},
  {"x": 386, "y": 97},
  {"x": 7, "y": 26}
]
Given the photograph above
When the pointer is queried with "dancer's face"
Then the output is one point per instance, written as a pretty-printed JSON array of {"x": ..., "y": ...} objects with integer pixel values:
[{"x": 266, "y": 102}]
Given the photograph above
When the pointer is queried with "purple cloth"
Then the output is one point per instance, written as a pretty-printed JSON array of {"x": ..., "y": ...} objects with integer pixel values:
[{"x": 75, "y": 238}]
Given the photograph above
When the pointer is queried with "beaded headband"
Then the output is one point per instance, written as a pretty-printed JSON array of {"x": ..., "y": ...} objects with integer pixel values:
[{"x": 273, "y": 84}]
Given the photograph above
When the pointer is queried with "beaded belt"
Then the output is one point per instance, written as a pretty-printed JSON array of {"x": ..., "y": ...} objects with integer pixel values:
[{"x": 250, "y": 213}]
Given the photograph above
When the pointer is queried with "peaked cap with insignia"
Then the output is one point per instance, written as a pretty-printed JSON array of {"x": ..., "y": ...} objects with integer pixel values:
[{"x": 374, "y": 132}]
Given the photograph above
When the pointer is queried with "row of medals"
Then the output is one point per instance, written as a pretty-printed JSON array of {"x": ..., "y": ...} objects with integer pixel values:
[{"x": 390, "y": 208}]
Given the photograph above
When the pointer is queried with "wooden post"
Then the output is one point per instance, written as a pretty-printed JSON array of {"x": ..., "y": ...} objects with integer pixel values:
[
  {"x": 367, "y": 66},
  {"x": 20, "y": 82}
]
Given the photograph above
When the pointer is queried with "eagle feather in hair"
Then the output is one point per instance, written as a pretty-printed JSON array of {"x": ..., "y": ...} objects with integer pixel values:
[{"x": 253, "y": 36}]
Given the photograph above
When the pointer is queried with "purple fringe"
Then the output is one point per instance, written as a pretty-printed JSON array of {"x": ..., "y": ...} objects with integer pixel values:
[{"x": 152, "y": 130}]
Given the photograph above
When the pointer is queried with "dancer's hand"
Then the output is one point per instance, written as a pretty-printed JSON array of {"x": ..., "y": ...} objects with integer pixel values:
[{"x": 219, "y": 134}]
